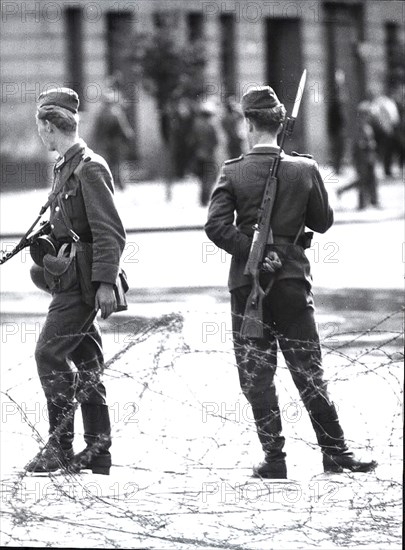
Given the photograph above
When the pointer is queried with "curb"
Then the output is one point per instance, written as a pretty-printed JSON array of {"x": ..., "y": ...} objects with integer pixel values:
[{"x": 200, "y": 227}]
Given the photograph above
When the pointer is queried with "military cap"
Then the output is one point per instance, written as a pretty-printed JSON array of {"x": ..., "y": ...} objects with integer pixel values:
[
  {"x": 261, "y": 97},
  {"x": 60, "y": 97}
]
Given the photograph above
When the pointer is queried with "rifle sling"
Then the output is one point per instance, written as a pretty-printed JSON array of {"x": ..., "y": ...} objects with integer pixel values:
[
  {"x": 74, "y": 165},
  {"x": 269, "y": 196},
  {"x": 270, "y": 180},
  {"x": 51, "y": 197}
]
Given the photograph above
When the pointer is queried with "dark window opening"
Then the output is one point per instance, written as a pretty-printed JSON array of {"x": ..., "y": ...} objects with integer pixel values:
[
  {"x": 228, "y": 60},
  {"x": 74, "y": 50},
  {"x": 284, "y": 68},
  {"x": 195, "y": 25},
  {"x": 394, "y": 56},
  {"x": 120, "y": 65},
  {"x": 346, "y": 82}
]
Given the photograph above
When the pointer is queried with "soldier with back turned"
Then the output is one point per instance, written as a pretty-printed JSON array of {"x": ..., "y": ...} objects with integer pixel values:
[{"x": 301, "y": 200}]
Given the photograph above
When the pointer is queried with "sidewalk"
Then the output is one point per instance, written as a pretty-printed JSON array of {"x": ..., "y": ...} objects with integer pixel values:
[{"x": 144, "y": 206}]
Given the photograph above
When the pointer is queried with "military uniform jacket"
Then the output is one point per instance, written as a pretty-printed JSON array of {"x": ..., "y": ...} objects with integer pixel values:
[
  {"x": 301, "y": 199},
  {"x": 86, "y": 195}
]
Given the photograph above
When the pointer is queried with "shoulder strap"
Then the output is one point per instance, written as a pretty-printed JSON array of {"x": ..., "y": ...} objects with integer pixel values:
[
  {"x": 66, "y": 220},
  {"x": 269, "y": 197},
  {"x": 74, "y": 166},
  {"x": 79, "y": 164}
]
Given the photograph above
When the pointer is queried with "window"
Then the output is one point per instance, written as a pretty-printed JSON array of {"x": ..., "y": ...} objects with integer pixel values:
[
  {"x": 74, "y": 47},
  {"x": 228, "y": 63}
]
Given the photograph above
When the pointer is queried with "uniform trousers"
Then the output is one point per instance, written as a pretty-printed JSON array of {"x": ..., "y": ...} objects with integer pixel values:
[
  {"x": 288, "y": 315},
  {"x": 70, "y": 334}
]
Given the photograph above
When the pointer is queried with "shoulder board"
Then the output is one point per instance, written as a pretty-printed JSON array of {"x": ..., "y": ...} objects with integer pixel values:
[
  {"x": 295, "y": 154},
  {"x": 230, "y": 161}
]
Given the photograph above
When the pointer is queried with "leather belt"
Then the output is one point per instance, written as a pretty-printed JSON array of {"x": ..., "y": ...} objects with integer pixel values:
[
  {"x": 281, "y": 239},
  {"x": 304, "y": 240}
]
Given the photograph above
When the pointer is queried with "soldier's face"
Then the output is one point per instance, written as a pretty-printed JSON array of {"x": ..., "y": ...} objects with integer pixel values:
[
  {"x": 45, "y": 133},
  {"x": 249, "y": 130}
]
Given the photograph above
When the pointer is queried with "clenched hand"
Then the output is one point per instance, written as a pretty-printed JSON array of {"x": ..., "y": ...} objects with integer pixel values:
[
  {"x": 105, "y": 300},
  {"x": 271, "y": 262}
]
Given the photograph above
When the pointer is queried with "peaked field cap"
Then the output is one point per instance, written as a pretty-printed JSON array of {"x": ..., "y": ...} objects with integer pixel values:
[
  {"x": 61, "y": 97},
  {"x": 260, "y": 97}
]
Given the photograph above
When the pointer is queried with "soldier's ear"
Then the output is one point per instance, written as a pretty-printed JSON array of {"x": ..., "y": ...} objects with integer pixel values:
[{"x": 50, "y": 127}]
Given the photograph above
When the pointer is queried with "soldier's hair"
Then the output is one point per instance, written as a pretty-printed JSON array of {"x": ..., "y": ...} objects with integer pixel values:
[
  {"x": 62, "y": 118},
  {"x": 267, "y": 119}
]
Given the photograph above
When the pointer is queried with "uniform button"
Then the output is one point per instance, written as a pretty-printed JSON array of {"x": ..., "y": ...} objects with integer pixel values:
[
  {"x": 66, "y": 196},
  {"x": 52, "y": 226},
  {"x": 57, "y": 209}
]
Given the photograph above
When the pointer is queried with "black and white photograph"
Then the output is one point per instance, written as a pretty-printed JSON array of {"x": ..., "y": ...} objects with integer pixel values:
[{"x": 202, "y": 251}]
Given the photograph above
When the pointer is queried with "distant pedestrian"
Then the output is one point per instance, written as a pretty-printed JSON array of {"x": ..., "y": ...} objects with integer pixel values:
[
  {"x": 112, "y": 133},
  {"x": 204, "y": 144},
  {"x": 232, "y": 121},
  {"x": 364, "y": 159},
  {"x": 337, "y": 121},
  {"x": 399, "y": 133},
  {"x": 385, "y": 121},
  {"x": 181, "y": 118}
]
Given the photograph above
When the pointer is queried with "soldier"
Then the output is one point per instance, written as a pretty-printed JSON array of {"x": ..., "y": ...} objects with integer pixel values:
[
  {"x": 301, "y": 200},
  {"x": 89, "y": 237}
]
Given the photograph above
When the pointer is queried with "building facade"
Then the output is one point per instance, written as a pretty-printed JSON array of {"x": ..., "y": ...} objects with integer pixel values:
[{"x": 80, "y": 43}]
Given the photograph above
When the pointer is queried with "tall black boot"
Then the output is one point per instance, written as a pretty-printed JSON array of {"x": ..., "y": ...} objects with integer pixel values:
[
  {"x": 269, "y": 432},
  {"x": 336, "y": 455},
  {"x": 58, "y": 451},
  {"x": 97, "y": 435}
]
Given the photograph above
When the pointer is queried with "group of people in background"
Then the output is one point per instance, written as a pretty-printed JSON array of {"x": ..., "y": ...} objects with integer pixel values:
[
  {"x": 379, "y": 136},
  {"x": 194, "y": 131}
]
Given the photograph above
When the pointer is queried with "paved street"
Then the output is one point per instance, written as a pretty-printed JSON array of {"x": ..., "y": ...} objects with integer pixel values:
[{"x": 184, "y": 441}]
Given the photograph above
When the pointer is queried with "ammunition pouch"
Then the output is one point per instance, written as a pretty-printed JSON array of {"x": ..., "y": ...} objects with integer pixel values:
[
  {"x": 306, "y": 240},
  {"x": 121, "y": 287},
  {"x": 60, "y": 272}
]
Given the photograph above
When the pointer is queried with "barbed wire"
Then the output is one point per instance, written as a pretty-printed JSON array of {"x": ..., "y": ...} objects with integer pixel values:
[{"x": 181, "y": 473}]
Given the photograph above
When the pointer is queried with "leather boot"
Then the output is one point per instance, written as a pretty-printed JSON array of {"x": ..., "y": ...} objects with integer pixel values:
[
  {"x": 336, "y": 455},
  {"x": 58, "y": 451},
  {"x": 97, "y": 435},
  {"x": 274, "y": 469},
  {"x": 269, "y": 432},
  {"x": 347, "y": 461}
]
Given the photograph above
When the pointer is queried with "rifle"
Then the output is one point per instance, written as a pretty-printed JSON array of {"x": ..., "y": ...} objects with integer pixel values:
[
  {"x": 30, "y": 238},
  {"x": 252, "y": 324}
]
